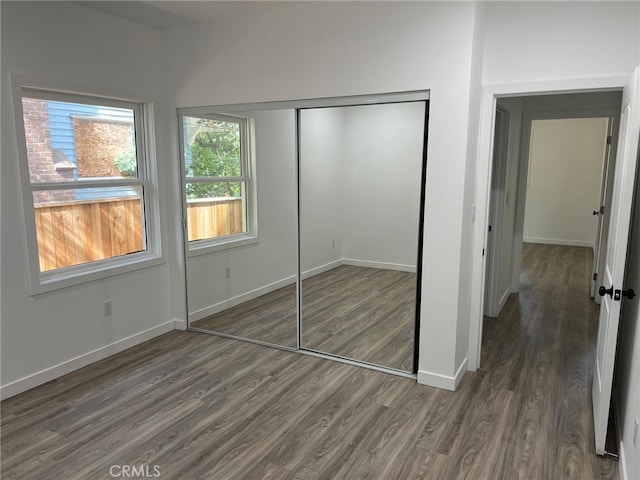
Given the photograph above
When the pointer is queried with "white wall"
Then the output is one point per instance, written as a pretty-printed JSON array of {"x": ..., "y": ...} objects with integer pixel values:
[
  {"x": 382, "y": 160},
  {"x": 270, "y": 263},
  {"x": 470, "y": 178},
  {"x": 312, "y": 50},
  {"x": 47, "y": 335},
  {"x": 565, "y": 171},
  {"x": 627, "y": 369},
  {"x": 322, "y": 180},
  {"x": 538, "y": 41}
]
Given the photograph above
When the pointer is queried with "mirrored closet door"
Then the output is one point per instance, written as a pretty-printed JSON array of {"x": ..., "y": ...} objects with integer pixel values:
[
  {"x": 239, "y": 186},
  {"x": 302, "y": 224},
  {"x": 360, "y": 187}
]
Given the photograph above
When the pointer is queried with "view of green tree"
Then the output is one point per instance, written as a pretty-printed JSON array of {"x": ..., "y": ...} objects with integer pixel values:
[
  {"x": 215, "y": 151},
  {"x": 126, "y": 163}
]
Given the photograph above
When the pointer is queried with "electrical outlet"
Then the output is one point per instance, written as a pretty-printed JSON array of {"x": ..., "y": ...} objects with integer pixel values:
[
  {"x": 635, "y": 433},
  {"x": 107, "y": 308},
  {"x": 227, "y": 272}
]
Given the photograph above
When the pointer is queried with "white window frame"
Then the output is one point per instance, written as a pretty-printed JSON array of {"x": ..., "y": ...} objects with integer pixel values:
[
  {"x": 247, "y": 170},
  {"x": 42, "y": 282}
]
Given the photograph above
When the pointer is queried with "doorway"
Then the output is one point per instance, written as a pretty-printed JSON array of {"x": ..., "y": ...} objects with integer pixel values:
[
  {"x": 551, "y": 189},
  {"x": 555, "y": 190}
]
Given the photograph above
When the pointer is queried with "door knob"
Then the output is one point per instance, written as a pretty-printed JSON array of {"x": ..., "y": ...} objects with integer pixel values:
[
  {"x": 595, "y": 212},
  {"x": 628, "y": 293},
  {"x": 605, "y": 291}
]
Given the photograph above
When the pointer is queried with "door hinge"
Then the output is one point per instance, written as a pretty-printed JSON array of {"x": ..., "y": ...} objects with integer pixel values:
[
  {"x": 489, "y": 227},
  {"x": 602, "y": 210},
  {"x": 595, "y": 276},
  {"x": 184, "y": 223},
  {"x": 608, "y": 139}
]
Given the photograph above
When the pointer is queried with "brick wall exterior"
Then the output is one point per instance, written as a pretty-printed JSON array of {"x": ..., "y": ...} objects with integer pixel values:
[
  {"x": 39, "y": 153},
  {"x": 98, "y": 144}
]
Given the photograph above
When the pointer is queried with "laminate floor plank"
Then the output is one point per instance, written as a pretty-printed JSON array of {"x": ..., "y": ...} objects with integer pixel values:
[
  {"x": 201, "y": 406},
  {"x": 92, "y": 422},
  {"x": 381, "y": 446},
  {"x": 219, "y": 416},
  {"x": 107, "y": 371}
]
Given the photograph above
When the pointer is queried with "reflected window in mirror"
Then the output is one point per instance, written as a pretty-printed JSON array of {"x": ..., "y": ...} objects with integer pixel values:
[{"x": 218, "y": 180}]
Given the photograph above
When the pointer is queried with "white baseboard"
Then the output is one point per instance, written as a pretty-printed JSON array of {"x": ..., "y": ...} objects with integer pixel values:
[
  {"x": 503, "y": 299},
  {"x": 555, "y": 241},
  {"x": 238, "y": 299},
  {"x": 381, "y": 265},
  {"x": 461, "y": 371},
  {"x": 180, "y": 324},
  {"x": 442, "y": 381},
  {"x": 322, "y": 268},
  {"x": 51, "y": 373}
]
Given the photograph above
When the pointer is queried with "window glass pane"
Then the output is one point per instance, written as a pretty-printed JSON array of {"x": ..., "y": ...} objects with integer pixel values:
[
  {"x": 211, "y": 148},
  {"x": 75, "y": 141},
  {"x": 82, "y": 225},
  {"x": 215, "y": 209}
]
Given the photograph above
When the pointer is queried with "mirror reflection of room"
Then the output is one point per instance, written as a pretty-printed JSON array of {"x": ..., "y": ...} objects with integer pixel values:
[
  {"x": 240, "y": 191},
  {"x": 329, "y": 195},
  {"x": 360, "y": 185}
]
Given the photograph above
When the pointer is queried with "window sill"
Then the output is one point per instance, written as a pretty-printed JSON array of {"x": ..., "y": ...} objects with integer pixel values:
[
  {"x": 82, "y": 274},
  {"x": 204, "y": 247}
]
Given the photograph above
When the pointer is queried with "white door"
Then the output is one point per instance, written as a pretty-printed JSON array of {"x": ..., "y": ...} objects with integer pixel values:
[
  {"x": 602, "y": 231},
  {"x": 613, "y": 272}
]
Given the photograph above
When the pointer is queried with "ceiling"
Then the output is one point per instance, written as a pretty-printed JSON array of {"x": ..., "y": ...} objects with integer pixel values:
[{"x": 178, "y": 13}]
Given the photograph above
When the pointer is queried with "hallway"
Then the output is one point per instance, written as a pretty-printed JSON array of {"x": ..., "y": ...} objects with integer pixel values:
[{"x": 542, "y": 349}]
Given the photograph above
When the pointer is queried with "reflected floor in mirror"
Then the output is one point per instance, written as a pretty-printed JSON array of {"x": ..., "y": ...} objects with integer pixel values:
[
  {"x": 270, "y": 318},
  {"x": 365, "y": 314},
  {"x": 360, "y": 313}
]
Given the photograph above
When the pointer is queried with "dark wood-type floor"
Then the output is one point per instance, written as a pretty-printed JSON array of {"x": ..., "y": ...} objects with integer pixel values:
[
  {"x": 201, "y": 406},
  {"x": 364, "y": 314}
]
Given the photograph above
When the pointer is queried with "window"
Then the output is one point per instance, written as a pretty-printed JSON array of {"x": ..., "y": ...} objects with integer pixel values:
[
  {"x": 217, "y": 180},
  {"x": 84, "y": 170}
]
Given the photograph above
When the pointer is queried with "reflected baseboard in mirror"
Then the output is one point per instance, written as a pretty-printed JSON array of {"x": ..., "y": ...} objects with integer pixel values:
[
  {"x": 364, "y": 314},
  {"x": 270, "y": 318}
]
